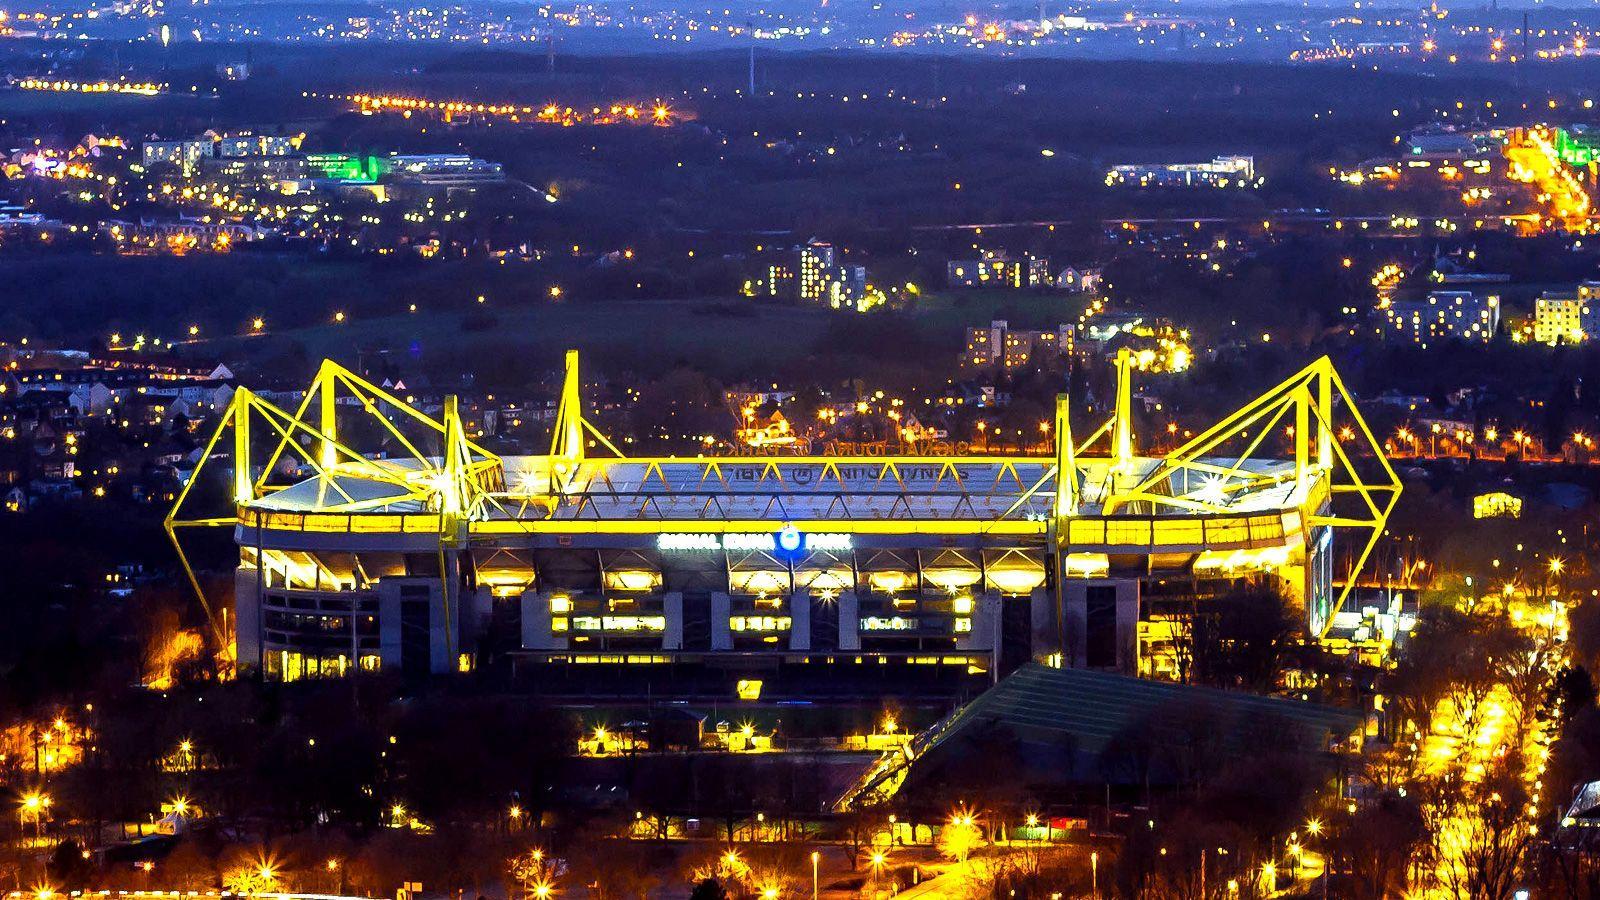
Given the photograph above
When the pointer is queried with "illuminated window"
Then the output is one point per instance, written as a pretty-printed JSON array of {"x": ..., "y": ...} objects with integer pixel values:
[
  {"x": 759, "y": 623},
  {"x": 892, "y": 623}
]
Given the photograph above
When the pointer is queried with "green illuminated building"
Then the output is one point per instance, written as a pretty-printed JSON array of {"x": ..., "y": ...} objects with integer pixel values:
[
  {"x": 1577, "y": 148},
  {"x": 346, "y": 167}
]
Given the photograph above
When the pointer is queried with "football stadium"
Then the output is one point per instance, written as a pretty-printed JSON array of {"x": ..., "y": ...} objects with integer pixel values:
[{"x": 376, "y": 536}]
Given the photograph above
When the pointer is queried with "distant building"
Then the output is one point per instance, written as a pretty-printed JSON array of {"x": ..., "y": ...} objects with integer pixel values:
[
  {"x": 1084, "y": 281},
  {"x": 1443, "y": 315},
  {"x": 1222, "y": 171},
  {"x": 779, "y": 282},
  {"x": 822, "y": 279},
  {"x": 1440, "y": 144},
  {"x": 234, "y": 71},
  {"x": 239, "y": 145},
  {"x": 816, "y": 261},
  {"x": 262, "y": 168},
  {"x": 994, "y": 268},
  {"x": 1567, "y": 318},
  {"x": 1000, "y": 345},
  {"x": 446, "y": 170},
  {"x": 345, "y": 167},
  {"x": 185, "y": 154}
]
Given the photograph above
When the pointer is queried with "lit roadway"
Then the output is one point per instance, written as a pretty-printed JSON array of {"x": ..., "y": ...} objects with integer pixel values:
[
  {"x": 1270, "y": 221},
  {"x": 1536, "y": 162},
  {"x": 1465, "y": 743}
]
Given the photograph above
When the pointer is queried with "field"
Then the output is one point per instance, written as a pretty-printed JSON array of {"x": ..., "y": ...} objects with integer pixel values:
[{"x": 726, "y": 338}]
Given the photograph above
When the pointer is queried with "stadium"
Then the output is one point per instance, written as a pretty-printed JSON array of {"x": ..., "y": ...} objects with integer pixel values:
[{"x": 374, "y": 535}]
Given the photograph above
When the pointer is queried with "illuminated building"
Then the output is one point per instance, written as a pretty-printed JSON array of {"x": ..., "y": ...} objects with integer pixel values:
[
  {"x": 822, "y": 280},
  {"x": 1000, "y": 345},
  {"x": 995, "y": 269},
  {"x": 233, "y": 145},
  {"x": 1497, "y": 505},
  {"x": 1578, "y": 146},
  {"x": 420, "y": 561},
  {"x": 1079, "y": 280},
  {"x": 260, "y": 168},
  {"x": 1222, "y": 171},
  {"x": 184, "y": 154},
  {"x": 1443, "y": 315},
  {"x": 1443, "y": 146},
  {"x": 446, "y": 170},
  {"x": 1567, "y": 318},
  {"x": 816, "y": 261},
  {"x": 780, "y": 282},
  {"x": 345, "y": 167}
]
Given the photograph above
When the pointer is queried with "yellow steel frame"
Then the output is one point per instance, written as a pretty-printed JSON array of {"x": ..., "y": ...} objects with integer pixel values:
[
  {"x": 460, "y": 482},
  {"x": 464, "y": 482},
  {"x": 1320, "y": 461}
]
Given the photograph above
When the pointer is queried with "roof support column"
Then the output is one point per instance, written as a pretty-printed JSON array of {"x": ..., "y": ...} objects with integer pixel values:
[
  {"x": 1066, "y": 465},
  {"x": 243, "y": 489},
  {"x": 327, "y": 423},
  {"x": 1122, "y": 424}
]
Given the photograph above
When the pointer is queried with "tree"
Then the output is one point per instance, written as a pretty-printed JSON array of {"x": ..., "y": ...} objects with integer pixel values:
[
  {"x": 535, "y": 873},
  {"x": 959, "y": 837},
  {"x": 1376, "y": 846},
  {"x": 1494, "y": 838},
  {"x": 708, "y": 889},
  {"x": 1239, "y": 638}
]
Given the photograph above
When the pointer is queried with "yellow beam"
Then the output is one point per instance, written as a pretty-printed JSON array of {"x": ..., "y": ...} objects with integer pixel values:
[
  {"x": 299, "y": 413},
  {"x": 1122, "y": 432},
  {"x": 243, "y": 490},
  {"x": 566, "y": 442},
  {"x": 1066, "y": 463},
  {"x": 329, "y": 421}
]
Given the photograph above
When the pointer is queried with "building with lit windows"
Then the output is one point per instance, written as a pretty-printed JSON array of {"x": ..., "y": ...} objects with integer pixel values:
[
  {"x": 1442, "y": 316},
  {"x": 184, "y": 154},
  {"x": 999, "y": 345},
  {"x": 816, "y": 263},
  {"x": 823, "y": 280},
  {"x": 456, "y": 170},
  {"x": 584, "y": 563},
  {"x": 240, "y": 145},
  {"x": 1221, "y": 171},
  {"x": 1567, "y": 317},
  {"x": 996, "y": 269}
]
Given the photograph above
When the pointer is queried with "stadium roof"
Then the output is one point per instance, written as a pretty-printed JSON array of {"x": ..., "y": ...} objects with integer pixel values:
[
  {"x": 807, "y": 489},
  {"x": 1081, "y": 726},
  {"x": 1040, "y": 704}
]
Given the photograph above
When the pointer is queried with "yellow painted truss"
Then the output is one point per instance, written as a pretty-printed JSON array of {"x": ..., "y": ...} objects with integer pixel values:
[{"x": 437, "y": 474}]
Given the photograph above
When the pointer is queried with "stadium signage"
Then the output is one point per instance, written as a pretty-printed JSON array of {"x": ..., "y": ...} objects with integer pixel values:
[{"x": 789, "y": 540}]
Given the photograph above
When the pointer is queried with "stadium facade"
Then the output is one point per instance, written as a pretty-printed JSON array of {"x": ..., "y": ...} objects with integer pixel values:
[{"x": 372, "y": 534}]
